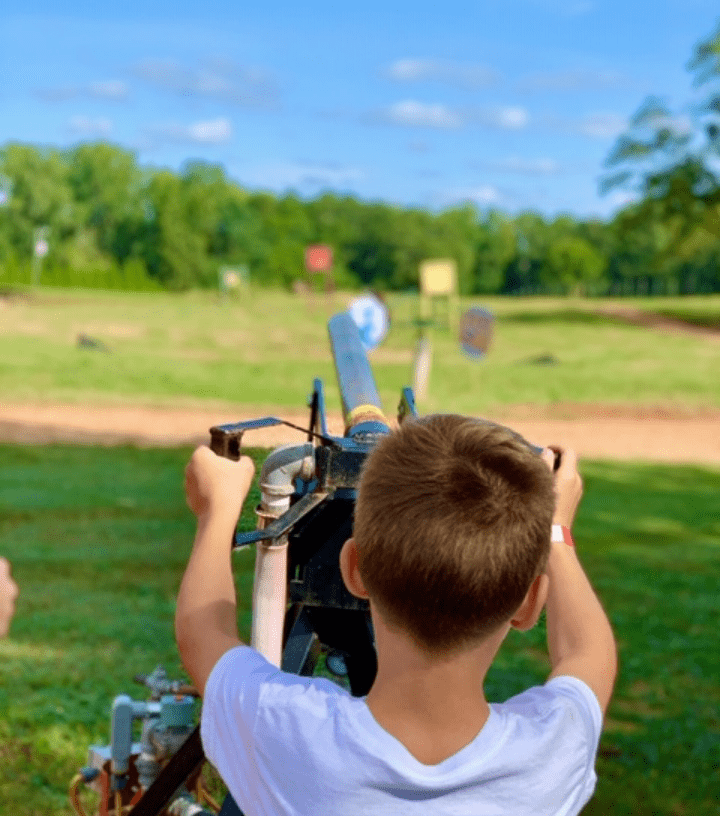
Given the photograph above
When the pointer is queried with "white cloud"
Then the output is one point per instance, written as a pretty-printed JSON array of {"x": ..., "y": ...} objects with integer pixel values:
[
  {"x": 212, "y": 131},
  {"x": 511, "y": 118},
  {"x": 411, "y": 113},
  {"x": 574, "y": 80},
  {"x": 597, "y": 125},
  {"x": 422, "y": 114},
  {"x": 215, "y": 79},
  {"x": 86, "y": 127},
  {"x": 528, "y": 167},
  {"x": 302, "y": 176},
  {"x": 681, "y": 124},
  {"x": 113, "y": 89},
  {"x": 469, "y": 75},
  {"x": 602, "y": 125},
  {"x": 618, "y": 199},
  {"x": 713, "y": 164},
  {"x": 61, "y": 93},
  {"x": 6, "y": 188},
  {"x": 484, "y": 195},
  {"x": 305, "y": 178},
  {"x": 411, "y": 70}
]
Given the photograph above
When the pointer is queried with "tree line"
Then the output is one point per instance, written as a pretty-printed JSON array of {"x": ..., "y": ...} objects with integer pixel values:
[
  {"x": 107, "y": 221},
  {"x": 103, "y": 220},
  {"x": 670, "y": 161}
]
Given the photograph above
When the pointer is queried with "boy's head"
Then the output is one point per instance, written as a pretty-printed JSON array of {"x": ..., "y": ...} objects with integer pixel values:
[{"x": 452, "y": 525}]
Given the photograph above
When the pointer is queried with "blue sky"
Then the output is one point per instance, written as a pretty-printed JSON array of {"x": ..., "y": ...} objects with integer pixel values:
[{"x": 512, "y": 104}]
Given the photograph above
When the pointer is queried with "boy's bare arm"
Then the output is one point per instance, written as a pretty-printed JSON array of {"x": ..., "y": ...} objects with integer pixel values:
[
  {"x": 580, "y": 639},
  {"x": 8, "y": 595},
  {"x": 206, "y": 613}
]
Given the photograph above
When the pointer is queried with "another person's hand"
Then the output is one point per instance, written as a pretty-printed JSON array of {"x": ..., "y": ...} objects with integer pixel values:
[
  {"x": 568, "y": 484},
  {"x": 8, "y": 593},
  {"x": 213, "y": 483}
]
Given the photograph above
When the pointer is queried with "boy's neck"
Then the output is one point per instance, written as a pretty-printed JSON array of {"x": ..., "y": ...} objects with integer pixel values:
[{"x": 434, "y": 706}]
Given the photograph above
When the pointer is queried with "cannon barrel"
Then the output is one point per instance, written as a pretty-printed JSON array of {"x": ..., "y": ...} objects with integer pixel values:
[{"x": 360, "y": 399}]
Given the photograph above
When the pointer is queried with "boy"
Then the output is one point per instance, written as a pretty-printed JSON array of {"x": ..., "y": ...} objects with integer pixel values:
[{"x": 452, "y": 547}]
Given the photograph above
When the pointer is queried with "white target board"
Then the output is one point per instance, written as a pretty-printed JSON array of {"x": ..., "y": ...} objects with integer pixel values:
[{"x": 371, "y": 317}]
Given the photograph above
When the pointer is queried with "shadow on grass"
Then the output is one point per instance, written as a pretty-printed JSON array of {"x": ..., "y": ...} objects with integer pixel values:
[
  {"x": 703, "y": 319},
  {"x": 574, "y": 316},
  {"x": 698, "y": 318}
]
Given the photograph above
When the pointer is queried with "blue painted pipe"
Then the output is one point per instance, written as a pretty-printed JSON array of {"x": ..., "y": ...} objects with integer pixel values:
[{"x": 358, "y": 392}]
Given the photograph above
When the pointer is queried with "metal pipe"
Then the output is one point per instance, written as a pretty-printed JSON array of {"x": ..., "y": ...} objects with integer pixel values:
[
  {"x": 277, "y": 485},
  {"x": 121, "y": 720},
  {"x": 358, "y": 392}
]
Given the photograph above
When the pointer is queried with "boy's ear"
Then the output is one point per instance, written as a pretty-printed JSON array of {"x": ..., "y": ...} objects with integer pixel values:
[
  {"x": 349, "y": 570},
  {"x": 527, "y": 615}
]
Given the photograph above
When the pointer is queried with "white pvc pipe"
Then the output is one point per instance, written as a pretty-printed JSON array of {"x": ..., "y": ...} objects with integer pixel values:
[
  {"x": 278, "y": 474},
  {"x": 269, "y": 600},
  {"x": 421, "y": 367},
  {"x": 277, "y": 478}
]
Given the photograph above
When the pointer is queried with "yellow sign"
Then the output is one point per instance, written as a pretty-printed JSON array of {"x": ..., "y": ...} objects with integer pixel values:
[{"x": 438, "y": 277}]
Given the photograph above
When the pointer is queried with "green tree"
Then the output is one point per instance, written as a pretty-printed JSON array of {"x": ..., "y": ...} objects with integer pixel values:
[
  {"x": 495, "y": 248},
  {"x": 285, "y": 231},
  {"x": 420, "y": 235},
  {"x": 370, "y": 251},
  {"x": 524, "y": 273},
  {"x": 574, "y": 263},
  {"x": 175, "y": 248},
  {"x": 337, "y": 221},
  {"x": 670, "y": 162},
  {"x": 40, "y": 196},
  {"x": 107, "y": 187},
  {"x": 660, "y": 144}
]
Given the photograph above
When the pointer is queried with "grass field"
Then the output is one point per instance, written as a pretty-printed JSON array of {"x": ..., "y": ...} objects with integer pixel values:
[
  {"x": 99, "y": 539},
  {"x": 266, "y": 349}
]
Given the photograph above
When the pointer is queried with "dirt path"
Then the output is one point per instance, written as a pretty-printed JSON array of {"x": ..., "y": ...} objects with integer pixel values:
[
  {"x": 653, "y": 320},
  {"x": 599, "y": 431}
]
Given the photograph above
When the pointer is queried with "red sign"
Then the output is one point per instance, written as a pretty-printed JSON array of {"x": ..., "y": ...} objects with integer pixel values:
[{"x": 318, "y": 258}]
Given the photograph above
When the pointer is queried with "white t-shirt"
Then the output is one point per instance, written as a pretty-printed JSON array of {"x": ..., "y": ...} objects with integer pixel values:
[{"x": 301, "y": 746}]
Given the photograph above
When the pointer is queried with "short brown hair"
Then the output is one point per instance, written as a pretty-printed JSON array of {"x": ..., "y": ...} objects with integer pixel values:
[{"x": 452, "y": 524}]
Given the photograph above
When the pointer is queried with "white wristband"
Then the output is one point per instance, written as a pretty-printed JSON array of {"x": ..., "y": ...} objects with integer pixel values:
[{"x": 560, "y": 533}]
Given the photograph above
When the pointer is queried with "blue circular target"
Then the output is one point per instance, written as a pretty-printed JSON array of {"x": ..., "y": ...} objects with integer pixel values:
[{"x": 371, "y": 317}]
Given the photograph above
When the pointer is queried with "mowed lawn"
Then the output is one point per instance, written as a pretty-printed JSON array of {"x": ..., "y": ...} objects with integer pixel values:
[
  {"x": 264, "y": 349},
  {"x": 99, "y": 538}
]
